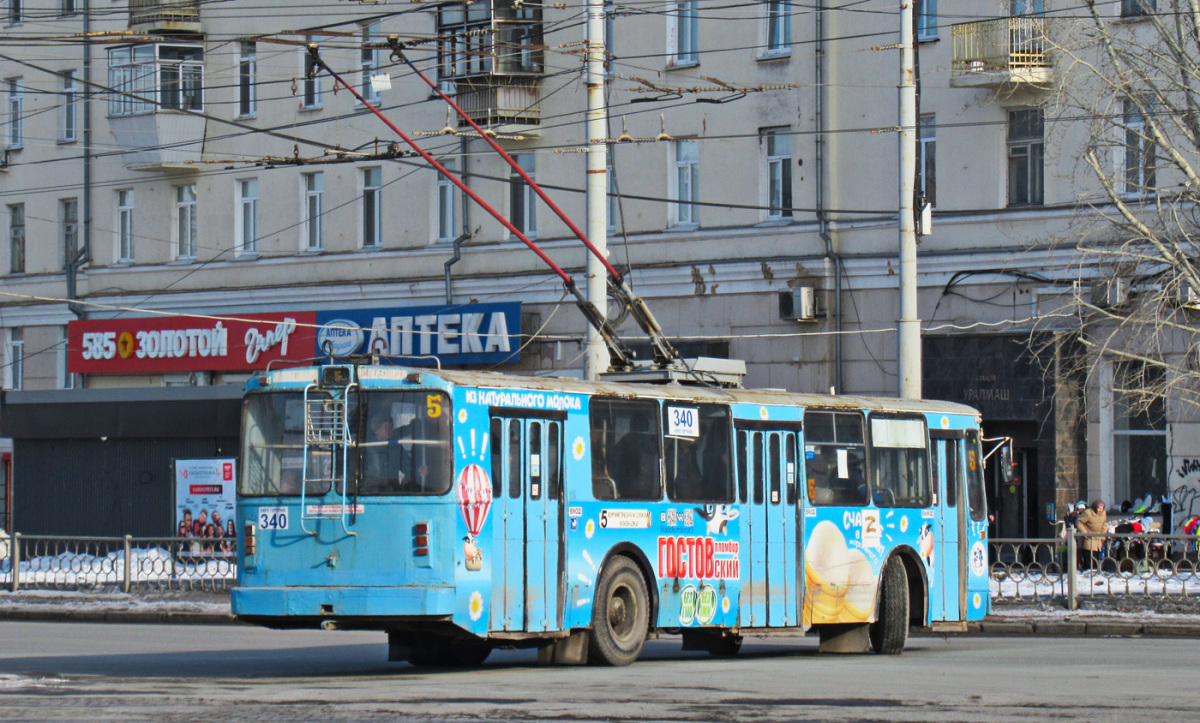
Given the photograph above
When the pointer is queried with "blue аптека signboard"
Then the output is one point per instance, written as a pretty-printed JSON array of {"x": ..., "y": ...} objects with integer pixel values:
[{"x": 460, "y": 334}]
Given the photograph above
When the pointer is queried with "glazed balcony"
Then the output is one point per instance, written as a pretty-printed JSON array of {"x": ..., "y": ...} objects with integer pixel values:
[{"x": 165, "y": 15}]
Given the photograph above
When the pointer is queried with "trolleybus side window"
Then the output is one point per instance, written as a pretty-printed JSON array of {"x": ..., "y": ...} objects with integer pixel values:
[
  {"x": 553, "y": 464},
  {"x": 976, "y": 499},
  {"x": 900, "y": 462},
  {"x": 496, "y": 432},
  {"x": 741, "y": 442},
  {"x": 626, "y": 449},
  {"x": 791, "y": 471},
  {"x": 773, "y": 443},
  {"x": 835, "y": 458},
  {"x": 404, "y": 443},
  {"x": 696, "y": 452},
  {"x": 514, "y": 459},
  {"x": 758, "y": 469}
]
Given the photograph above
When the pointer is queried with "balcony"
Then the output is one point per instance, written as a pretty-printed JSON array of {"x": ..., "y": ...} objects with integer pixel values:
[
  {"x": 500, "y": 101},
  {"x": 162, "y": 141},
  {"x": 1003, "y": 51},
  {"x": 165, "y": 15}
]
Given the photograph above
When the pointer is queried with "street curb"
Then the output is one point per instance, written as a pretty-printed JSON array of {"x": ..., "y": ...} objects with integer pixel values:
[{"x": 118, "y": 616}]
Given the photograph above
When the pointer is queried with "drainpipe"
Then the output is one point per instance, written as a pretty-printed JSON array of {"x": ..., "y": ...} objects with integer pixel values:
[
  {"x": 84, "y": 254},
  {"x": 822, "y": 223},
  {"x": 466, "y": 223}
]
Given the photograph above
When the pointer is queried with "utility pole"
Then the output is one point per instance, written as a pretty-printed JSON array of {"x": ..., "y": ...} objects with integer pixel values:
[
  {"x": 596, "y": 353},
  {"x": 908, "y": 354}
]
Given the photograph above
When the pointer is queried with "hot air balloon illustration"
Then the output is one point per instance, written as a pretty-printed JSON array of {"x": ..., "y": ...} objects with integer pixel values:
[{"x": 474, "y": 501}]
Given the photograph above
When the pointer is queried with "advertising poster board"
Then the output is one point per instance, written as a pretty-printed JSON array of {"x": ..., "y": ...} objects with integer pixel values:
[{"x": 205, "y": 492}]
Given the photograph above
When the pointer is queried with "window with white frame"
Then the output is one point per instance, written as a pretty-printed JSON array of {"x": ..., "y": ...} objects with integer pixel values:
[
  {"x": 777, "y": 143},
  {"x": 523, "y": 206},
  {"x": 16, "y": 357},
  {"x": 16, "y": 12},
  {"x": 145, "y": 76},
  {"x": 186, "y": 223},
  {"x": 1139, "y": 433},
  {"x": 67, "y": 7},
  {"x": 16, "y": 238},
  {"x": 927, "y": 158},
  {"x": 447, "y": 203},
  {"x": 68, "y": 236},
  {"x": 64, "y": 379},
  {"x": 372, "y": 208},
  {"x": 314, "y": 213},
  {"x": 310, "y": 96},
  {"x": 68, "y": 111},
  {"x": 779, "y": 27},
  {"x": 125, "y": 226},
  {"x": 1026, "y": 144},
  {"x": 248, "y": 80},
  {"x": 927, "y": 22},
  {"x": 371, "y": 33},
  {"x": 686, "y": 201},
  {"x": 1139, "y": 151},
  {"x": 16, "y": 113},
  {"x": 683, "y": 24},
  {"x": 1138, "y": 8},
  {"x": 247, "y": 217}
]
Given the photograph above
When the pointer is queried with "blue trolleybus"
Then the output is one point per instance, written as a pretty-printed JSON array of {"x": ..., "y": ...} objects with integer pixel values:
[{"x": 462, "y": 511}]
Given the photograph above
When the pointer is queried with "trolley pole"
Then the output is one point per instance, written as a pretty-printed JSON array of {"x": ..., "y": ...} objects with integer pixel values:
[
  {"x": 596, "y": 353},
  {"x": 909, "y": 325}
]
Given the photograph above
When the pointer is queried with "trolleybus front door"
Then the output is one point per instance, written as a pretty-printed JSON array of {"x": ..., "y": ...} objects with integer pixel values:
[
  {"x": 527, "y": 498},
  {"x": 948, "y": 588},
  {"x": 770, "y": 593}
]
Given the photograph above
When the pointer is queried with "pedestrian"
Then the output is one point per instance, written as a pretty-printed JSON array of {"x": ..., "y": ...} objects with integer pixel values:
[{"x": 1092, "y": 521}]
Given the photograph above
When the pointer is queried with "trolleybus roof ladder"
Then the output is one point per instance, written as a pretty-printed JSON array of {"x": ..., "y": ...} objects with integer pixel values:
[{"x": 326, "y": 440}]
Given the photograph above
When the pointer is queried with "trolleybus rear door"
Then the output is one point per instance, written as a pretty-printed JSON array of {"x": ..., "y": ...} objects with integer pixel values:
[
  {"x": 527, "y": 493},
  {"x": 948, "y": 586},
  {"x": 770, "y": 594}
]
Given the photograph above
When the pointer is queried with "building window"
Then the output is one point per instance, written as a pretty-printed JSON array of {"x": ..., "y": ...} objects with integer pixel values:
[
  {"x": 447, "y": 199},
  {"x": 779, "y": 27},
  {"x": 1140, "y": 156},
  {"x": 16, "y": 238},
  {"x": 68, "y": 216},
  {"x": 67, "y": 7},
  {"x": 927, "y": 159},
  {"x": 463, "y": 42},
  {"x": 16, "y": 358},
  {"x": 1139, "y": 433},
  {"x": 523, "y": 208},
  {"x": 682, "y": 29},
  {"x": 372, "y": 208},
  {"x": 64, "y": 378},
  {"x": 778, "y": 146},
  {"x": 247, "y": 217},
  {"x": 16, "y": 12},
  {"x": 311, "y": 91},
  {"x": 186, "y": 234},
  {"x": 314, "y": 217},
  {"x": 371, "y": 33},
  {"x": 1138, "y": 8},
  {"x": 687, "y": 186},
  {"x": 170, "y": 75},
  {"x": 16, "y": 113},
  {"x": 927, "y": 25},
  {"x": 125, "y": 226},
  {"x": 1025, "y": 151},
  {"x": 68, "y": 112},
  {"x": 248, "y": 80}
]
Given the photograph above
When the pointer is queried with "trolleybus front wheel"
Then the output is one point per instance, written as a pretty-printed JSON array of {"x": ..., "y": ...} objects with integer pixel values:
[
  {"x": 620, "y": 614},
  {"x": 889, "y": 632}
]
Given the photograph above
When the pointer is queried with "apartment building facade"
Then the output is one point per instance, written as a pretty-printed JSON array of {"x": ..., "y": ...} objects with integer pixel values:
[{"x": 191, "y": 167}]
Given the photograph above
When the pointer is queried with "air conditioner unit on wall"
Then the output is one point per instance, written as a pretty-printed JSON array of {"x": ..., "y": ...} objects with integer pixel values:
[
  {"x": 1187, "y": 296},
  {"x": 798, "y": 304},
  {"x": 1107, "y": 293}
]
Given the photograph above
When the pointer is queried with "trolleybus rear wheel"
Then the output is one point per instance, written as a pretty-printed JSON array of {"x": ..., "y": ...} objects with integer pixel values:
[
  {"x": 889, "y": 632},
  {"x": 620, "y": 614}
]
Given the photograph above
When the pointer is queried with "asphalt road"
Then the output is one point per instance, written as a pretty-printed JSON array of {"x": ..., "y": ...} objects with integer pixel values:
[{"x": 165, "y": 674}]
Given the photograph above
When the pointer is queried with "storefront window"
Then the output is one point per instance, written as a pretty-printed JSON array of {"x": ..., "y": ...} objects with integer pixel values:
[{"x": 1139, "y": 435}]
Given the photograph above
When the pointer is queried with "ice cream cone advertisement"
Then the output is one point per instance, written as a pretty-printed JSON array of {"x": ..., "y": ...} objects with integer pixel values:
[{"x": 839, "y": 580}]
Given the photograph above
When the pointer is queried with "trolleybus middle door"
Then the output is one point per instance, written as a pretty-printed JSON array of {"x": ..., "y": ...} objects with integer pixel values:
[
  {"x": 948, "y": 586},
  {"x": 770, "y": 592}
]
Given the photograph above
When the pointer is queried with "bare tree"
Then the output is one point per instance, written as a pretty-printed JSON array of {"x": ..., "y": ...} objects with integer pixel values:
[{"x": 1128, "y": 98}]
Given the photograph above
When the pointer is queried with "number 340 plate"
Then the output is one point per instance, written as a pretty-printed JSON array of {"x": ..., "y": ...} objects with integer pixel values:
[{"x": 272, "y": 518}]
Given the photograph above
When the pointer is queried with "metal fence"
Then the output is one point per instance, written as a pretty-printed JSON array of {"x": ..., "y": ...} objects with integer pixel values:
[
  {"x": 127, "y": 563},
  {"x": 1128, "y": 571}
]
